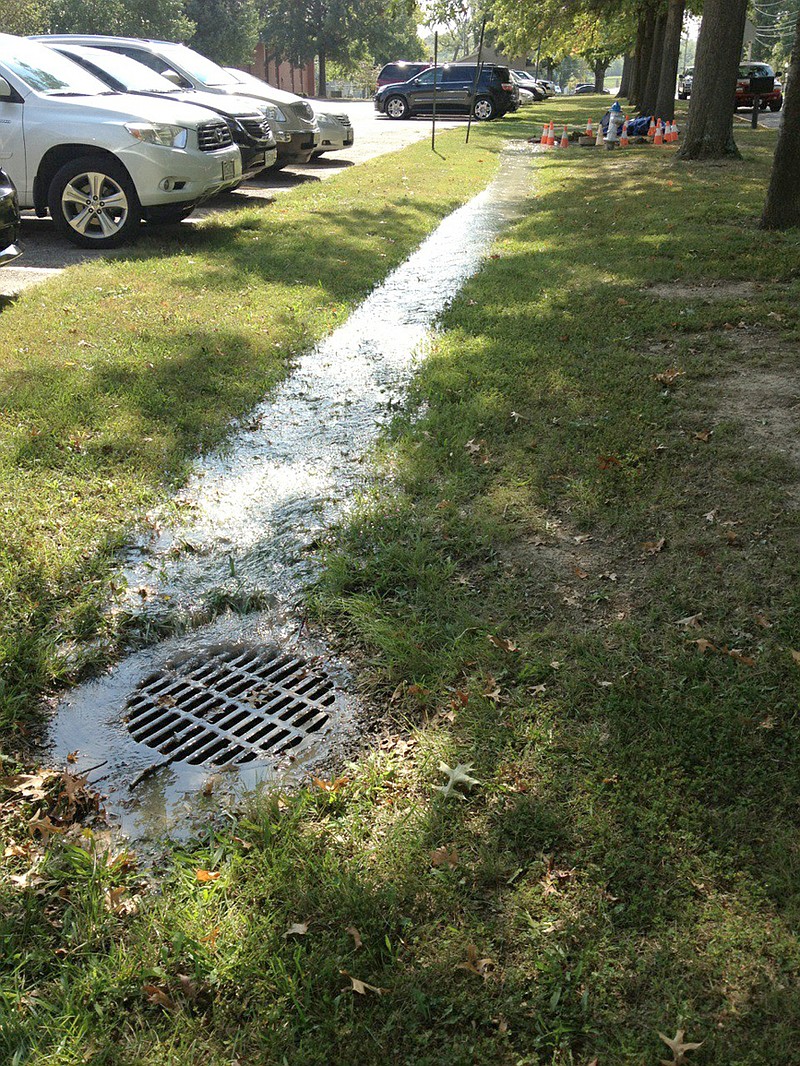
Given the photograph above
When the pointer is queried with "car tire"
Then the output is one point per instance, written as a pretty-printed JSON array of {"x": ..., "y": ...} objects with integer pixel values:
[
  {"x": 683, "y": 96},
  {"x": 775, "y": 105},
  {"x": 396, "y": 107},
  {"x": 484, "y": 109},
  {"x": 170, "y": 214},
  {"x": 94, "y": 203}
]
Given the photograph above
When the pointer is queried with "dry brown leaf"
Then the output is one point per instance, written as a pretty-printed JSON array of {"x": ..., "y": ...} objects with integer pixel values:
[
  {"x": 767, "y": 723},
  {"x": 362, "y": 987},
  {"x": 704, "y": 645},
  {"x": 296, "y": 929},
  {"x": 492, "y": 691},
  {"x": 188, "y": 987},
  {"x": 330, "y": 786},
  {"x": 653, "y": 547},
  {"x": 538, "y": 690},
  {"x": 44, "y": 826},
  {"x": 678, "y": 1047},
  {"x": 669, "y": 377},
  {"x": 795, "y": 655},
  {"x": 444, "y": 856},
  {"x": 29, "y": 786},
  {"x": 204, "y": 876},
  {"x": 763, "y": 621},
  {"x": 704, "y": 435},
  {"x": 740, "y": 657},
  {"x": 691, "y": 621},
  {"x": 502, "y": 643},
  {"x": 354, "y": 933},
  {"x": 72, "y": 756},
  {"x": 608, "y": 462},
  {"x": 482, "y": 967},
  {"x": 160, "y": 996},
  {"x": 211, "y": 938},
  {"x": 581, "y": 573}
]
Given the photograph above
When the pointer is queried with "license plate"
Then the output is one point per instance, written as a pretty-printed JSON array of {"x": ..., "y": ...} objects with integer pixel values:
[{"x": 227, "y": 169}]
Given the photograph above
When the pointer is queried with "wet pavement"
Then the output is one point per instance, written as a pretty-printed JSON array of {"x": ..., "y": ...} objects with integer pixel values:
[
  {"x": 45, "y": 253},
  {"x": 254, "y": 511}
]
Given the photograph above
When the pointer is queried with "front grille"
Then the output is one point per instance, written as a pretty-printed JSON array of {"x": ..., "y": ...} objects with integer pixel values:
[
  {"x": 233, "y": 704},
  {"x": 256, "y": 129},
  {"x": 303, "y": 110},
  {"x": 212, "y": 136}
]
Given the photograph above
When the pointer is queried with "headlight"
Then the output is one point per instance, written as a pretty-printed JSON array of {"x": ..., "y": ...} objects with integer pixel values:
[
  {"x": 167, "y": 136},
  {"x": 274, "y": 112}
]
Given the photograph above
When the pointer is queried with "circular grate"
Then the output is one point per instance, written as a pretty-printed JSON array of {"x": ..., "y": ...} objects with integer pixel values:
[{"x": 230, "y": 705}]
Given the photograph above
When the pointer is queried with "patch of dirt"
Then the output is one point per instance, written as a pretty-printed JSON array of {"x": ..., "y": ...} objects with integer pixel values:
[
  {"x": 710, "y": 293},
  {"x": 767, "y": 404}
]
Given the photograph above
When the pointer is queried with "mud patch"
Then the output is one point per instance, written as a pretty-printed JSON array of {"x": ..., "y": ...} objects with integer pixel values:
[{"x": 767, "y": 404}]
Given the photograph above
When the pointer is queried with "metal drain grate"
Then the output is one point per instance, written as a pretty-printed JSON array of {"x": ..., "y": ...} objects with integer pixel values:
[{"x": 230, "y": 705}]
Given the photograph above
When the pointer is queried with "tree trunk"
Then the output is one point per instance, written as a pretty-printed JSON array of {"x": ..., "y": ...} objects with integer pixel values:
[
  {"x": 782, "y": 207},
  {"x": 600, "y": 67},
  {"x": 323, "y": 77},
  {"x": 625, "y": 80},
  {"x": 644, "y": 48},
  {"x": 709, "y": 131},
  {"x": 648, "y": 103},
  {"x": 671, "y": 54}
]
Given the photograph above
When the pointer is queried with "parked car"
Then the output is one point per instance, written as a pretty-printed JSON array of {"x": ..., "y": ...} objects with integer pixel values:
[
  {"x": 587, "y": 90},
  {"x": 529, "y": 84},
  {"x": 685, "y": 83},
  {"x": 9, "y": 220},
  {"x": 549, "y": 87},
  {"x": 495, "y": 92},
  {"x": 335, "y": 127},
  {"x": 249, "y": 128},
  {"x": 190, "y": 70},
  {"x": 399, "y": 71},
  {"x": 745, "y": 94},
  {"x": 102, "y": 161}
]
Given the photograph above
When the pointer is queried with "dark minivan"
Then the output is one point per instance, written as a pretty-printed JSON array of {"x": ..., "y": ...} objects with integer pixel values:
[{"x": 495, "y": 92}]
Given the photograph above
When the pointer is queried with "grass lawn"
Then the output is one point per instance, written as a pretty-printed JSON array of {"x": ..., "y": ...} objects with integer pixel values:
[{"x": 575, "y": 586}]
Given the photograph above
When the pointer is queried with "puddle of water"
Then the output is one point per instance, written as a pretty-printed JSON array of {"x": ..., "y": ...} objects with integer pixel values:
[{"x": 253, "y": 508}]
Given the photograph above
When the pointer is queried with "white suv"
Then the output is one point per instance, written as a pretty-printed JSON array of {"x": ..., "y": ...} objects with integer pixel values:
[{"x": 101, "y": 161}]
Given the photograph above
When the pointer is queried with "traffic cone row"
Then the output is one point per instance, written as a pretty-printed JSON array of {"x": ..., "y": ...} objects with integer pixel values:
[{"x": 660, "y": 133}]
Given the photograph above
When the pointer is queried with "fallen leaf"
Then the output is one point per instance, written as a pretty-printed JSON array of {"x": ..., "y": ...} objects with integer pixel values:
[
  {"x": 160, "y": 996},
  {"x": 767, "y": 723},
  {"x": 29, "y": 786},
  {"x": 204, "y": 876},
  {"x": 653, "y": 547},
  {"x": 72, "y": 756},
  {"x": 691, "y": 621},
  {"x": 361, "y": 987},
  {"x": 704, "y": 645},
  {"x": 211, "y": 938},
  {"x": 502, "y": 643},
  {"x": 329, "y": 786},
  {"x": 538, "y": 690},
  {"x": 763, "y": 621},
  {"x": 354, "y": 933},
  {"x": 582, "y": 574},
  {"x": 492, "y": 691},
  {"x": 607, "y": 462},
  {"x": 296, "y": 929},
  {"x": 459, "y": 775},
  {"x": 795, "y": 655},
  {"x": 44, "y": 827},
  {"x": 188, "y": 987},
  {"x": 445, "y": 856},
  {"x": 482, "y": 967},
  {"x": 669, "y": 377},
  {"x": 704, "y": 435},
  {"x": 711, "y": 516},
  {"x": 678, "y": 1048},
  {"x": 740, "y": 657}
]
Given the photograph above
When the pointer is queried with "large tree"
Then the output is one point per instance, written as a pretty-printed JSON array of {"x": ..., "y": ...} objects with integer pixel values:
[
  {"x": 782, "y": 208},
  {"x": 134, "y": 18},
  {"x": 670, "y": 57},
  {"x": 709, "y": 132},
  {"x": 225, "y": 30},
  {"x": 23, "y": 16}
]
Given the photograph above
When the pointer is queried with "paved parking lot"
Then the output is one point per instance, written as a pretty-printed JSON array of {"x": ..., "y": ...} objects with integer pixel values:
[{"x": 45, "y": 253}]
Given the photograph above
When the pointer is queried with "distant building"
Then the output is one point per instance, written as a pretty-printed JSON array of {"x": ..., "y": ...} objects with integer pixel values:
[
  {"x": 283, "y": 75},
  {"x": 489, "y": 55}
]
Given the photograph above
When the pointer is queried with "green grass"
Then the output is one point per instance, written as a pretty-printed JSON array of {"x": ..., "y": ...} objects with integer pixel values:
[{"x": 628, "y": 859}]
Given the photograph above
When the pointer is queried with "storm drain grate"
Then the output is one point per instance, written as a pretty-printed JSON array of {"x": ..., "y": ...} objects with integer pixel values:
[{"x": 231, "y": 705}]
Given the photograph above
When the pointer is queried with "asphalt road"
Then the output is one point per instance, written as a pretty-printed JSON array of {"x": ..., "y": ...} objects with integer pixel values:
[{"x": 45, "y": 253}]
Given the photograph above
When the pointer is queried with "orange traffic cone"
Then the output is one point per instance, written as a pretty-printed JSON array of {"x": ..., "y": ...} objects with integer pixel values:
[
  {"x": 675, "y": 134},
  {"x": 658, "y": 140},
  {"x": 652, "y": 131},
  {"x": 623, "y": 137},
  {"x": 589, "y": 130},
  {"x": 598, "y": 141},
  {"x": 551, "y": 136},
  {"x": 565, "y": 139},
  {"x": 543, "y": 141}
]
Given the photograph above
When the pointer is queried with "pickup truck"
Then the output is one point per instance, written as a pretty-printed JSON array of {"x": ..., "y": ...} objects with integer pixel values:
[{"x": 102, "y": 161}]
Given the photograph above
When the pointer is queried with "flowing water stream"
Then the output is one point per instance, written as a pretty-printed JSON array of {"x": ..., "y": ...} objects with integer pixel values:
[{"x": 250, "y": 512}]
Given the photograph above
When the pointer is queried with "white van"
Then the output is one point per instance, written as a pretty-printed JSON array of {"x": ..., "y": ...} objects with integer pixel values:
[{"x": 101, "y": 161}]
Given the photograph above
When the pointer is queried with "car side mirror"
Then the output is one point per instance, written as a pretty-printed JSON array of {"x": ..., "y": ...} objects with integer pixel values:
[{"x": 6, "y": 92}]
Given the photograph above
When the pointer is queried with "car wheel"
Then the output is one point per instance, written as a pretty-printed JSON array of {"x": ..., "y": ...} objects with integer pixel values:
[
  {"x": 484, "y": 109},
  {"x": 168, "y": 214},
  {"x": 683, "y": 96},
  {"x": 396, "y": 107},
  {"x": 775, "y": 105},
  {"x": 93, "y": 202}
]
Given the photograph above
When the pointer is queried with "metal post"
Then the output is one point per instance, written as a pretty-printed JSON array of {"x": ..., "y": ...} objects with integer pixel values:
[
  {"x": 756, "y": 109},
  {"x": 475, "y": 80},
  {"x": 435, "y": 79}
]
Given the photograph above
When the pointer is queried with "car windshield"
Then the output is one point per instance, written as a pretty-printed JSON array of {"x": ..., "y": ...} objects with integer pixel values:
[
  {"x": 746, "y": 71},
  {"x": 133, "y": 76},
  {"x": 45, "y": 71},
  {"x": 200, "y": 68}
]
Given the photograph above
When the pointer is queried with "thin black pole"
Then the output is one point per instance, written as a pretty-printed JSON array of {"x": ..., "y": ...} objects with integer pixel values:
[
  {"x": 475, "y": 80},
  {"x": 435, "y": 79}
]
